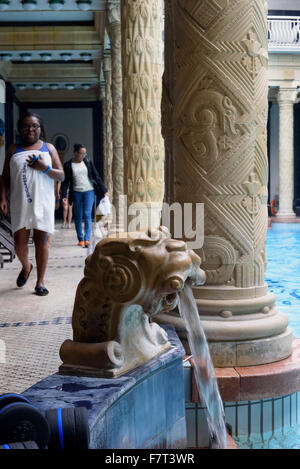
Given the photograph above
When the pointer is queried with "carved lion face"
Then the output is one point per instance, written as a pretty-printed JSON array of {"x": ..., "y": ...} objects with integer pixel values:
[{"x": 137, "y": 269}]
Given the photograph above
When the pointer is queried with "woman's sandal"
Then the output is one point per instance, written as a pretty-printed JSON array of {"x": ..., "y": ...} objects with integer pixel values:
[
  {"x": 41, "y": 291},
  {"x": 21, "y": 280}
]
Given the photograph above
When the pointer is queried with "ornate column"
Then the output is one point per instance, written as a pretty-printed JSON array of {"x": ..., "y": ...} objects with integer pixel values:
[
  {"x": 2, "y": 127},
  {"x": 286, "y": 99},
  {"x": 168, "y": 101},
  {"x": 219, "y": 146},
  {"x": 103, "y": 99},
  {"x": 108, "y": 152},
  {"x": 142, "y": 60},
  {"x": 114, "y": 31}
]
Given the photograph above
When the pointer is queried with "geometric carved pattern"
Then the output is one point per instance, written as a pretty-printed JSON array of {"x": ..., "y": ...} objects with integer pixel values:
[
  {"x": 114, "y": 31},
  {"x": 142, "y": 73},
  {"x": 108, "y": 128},
  {"x": 219, "y": 123}
]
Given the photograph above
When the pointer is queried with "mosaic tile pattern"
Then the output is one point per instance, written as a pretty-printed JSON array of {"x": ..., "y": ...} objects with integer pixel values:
[
  {"x": 266, "y": 424},
  {"x": 33, "y": 328}
]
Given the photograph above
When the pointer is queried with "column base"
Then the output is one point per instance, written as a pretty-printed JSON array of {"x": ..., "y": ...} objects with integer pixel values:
[
  {"x": 250, "y": 352},
  {"x": 237, "y": 353},
  {"x": 285, "y": 220},
  {"x": 285, "y": 214},
  {"x": 244, "y": 331}
]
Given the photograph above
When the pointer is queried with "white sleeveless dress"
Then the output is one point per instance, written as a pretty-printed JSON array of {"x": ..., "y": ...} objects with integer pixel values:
[{"x": 32, "y": 198}]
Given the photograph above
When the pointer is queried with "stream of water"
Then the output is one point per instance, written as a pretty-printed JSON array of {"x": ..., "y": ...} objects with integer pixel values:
[{"x": 204, "y": 369}]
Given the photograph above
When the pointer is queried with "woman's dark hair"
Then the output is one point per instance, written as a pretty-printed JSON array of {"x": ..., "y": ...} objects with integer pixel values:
[
  {"x": 77, "y": 147},
  {"x": 38, "y": 117}
]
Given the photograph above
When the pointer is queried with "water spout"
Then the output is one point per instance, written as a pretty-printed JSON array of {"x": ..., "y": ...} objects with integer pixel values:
[{"x": 204, "y": 369}]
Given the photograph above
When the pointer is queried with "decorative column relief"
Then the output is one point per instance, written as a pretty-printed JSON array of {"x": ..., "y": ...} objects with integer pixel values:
[
  {"x": 142, "y": 89},
  {"x": 168, "y": 100},
  {"x": 108, "y": 127},
  {"x": 2, "y": 127},
  {"x": 103, "y": 100},
  {"x": 219, "y": 119},
  {"x": 114, "y": 32},
  {"x": 286, "y": 99}
]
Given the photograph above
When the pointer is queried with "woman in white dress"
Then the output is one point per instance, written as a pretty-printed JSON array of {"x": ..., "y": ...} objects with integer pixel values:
[{"x": 30, "y": 169}]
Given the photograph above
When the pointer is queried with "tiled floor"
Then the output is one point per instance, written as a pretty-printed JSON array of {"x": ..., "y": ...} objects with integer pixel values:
[{"x": 32, "y": 328}]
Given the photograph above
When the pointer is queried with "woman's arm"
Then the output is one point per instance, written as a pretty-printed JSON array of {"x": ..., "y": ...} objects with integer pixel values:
[
  {"x": 55, "y": 171},
  {"x": 5, "y": 180}
]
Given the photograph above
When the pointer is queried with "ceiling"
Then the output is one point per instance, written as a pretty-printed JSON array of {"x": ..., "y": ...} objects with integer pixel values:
[{"x": 52, "y": 55}]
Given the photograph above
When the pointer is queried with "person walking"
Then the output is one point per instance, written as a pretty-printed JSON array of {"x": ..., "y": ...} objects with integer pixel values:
[
  {"x": 29, "y": 172},
  {"x": 83, "y": 183}
]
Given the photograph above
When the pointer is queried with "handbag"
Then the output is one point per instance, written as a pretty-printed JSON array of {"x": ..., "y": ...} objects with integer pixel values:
[{"x": 103, "y": 207}]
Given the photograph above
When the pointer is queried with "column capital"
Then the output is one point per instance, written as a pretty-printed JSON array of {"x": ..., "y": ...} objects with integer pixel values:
[
  {"x": 113, "y": 12},
  {"x": 287, "y": 95},
  {"x": 107, "y": 62},
  {"x": 102, "y": 91},
  {"x": 273, "y": 93}
]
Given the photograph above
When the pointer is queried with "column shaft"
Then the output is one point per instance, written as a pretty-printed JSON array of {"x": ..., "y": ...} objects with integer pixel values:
[
  {"x": 114, "y": 31},
  {"x": 108, "y": 128},
  {"x": 286, "y": 100},
  {"x": 142, "y": 72}
]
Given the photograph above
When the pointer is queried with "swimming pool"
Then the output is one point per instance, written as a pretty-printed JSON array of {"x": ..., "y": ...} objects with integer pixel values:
[
  {"x": 283, "y": 270},
  {"x": 283, "y": 279}
]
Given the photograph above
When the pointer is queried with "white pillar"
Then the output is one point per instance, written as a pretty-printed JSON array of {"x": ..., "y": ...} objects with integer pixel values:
[{"x": 286, "y": 100}]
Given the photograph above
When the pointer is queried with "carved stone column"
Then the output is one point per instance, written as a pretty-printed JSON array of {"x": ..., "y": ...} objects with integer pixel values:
[
  {"x": 2, "y": 131},
  {"x": 114, "y": 32},
  {"x": 286, "y": 99},
  {"x": 103, "y": 98},
  {"x": 168, "y": 100},
  {"x": 219, "y": 146},
  {"x": 108, "y": 128},
  {"x": 142, "y": 60}
]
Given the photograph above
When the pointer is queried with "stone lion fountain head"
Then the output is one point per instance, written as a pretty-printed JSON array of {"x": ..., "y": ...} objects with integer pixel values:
[{"x": 128, "y": 279}]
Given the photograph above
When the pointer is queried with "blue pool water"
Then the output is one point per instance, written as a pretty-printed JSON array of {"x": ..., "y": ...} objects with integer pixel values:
[
  {"x": 283, "y": 279},
  {"x": 283, "y": 270}
]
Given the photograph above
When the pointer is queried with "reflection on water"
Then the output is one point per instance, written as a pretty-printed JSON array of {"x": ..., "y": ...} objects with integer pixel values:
[
  {"x": 204, "y": 369},
  {"x": 283, "y": 270},
  {"x": 283, "y": 279}
]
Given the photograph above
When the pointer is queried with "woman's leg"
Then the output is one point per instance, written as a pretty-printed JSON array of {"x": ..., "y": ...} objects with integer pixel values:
[
  {"x": 89, "y": 198},
  {"x": 70, "y": 213},
  {"x": 41, "y": 243},
  {"x": 65, "y": 211},
  {"x": 78, "y": 210},
  {"x": 21, "y": 238}
]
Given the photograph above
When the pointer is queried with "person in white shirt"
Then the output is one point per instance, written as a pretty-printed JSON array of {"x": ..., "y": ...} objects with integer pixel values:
[{"x": 82, "y": 182}]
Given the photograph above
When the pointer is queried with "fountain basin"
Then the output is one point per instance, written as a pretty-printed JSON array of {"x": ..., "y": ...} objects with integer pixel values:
[{"x": 143, "y": 408}]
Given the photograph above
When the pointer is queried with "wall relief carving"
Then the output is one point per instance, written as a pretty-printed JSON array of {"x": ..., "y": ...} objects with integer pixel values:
[
  {"x": 209, "y": 126},
  {"x": 219, "y": 260}
]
